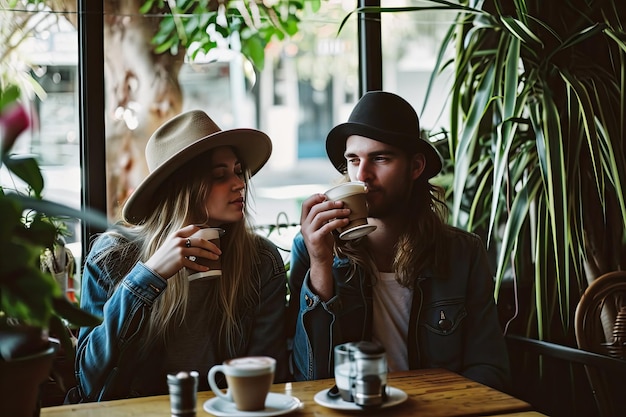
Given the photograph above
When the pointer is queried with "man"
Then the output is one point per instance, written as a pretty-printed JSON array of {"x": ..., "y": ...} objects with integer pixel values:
[{"x": 420, "y": 288}]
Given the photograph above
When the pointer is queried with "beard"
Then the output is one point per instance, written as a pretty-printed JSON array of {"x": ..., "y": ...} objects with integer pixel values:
[{"x": 388, "y": 203}]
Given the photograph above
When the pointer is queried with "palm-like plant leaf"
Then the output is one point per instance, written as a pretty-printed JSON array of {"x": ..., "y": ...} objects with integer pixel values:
[
  {"x": 537, "y": 139},
  {"x": 563, "y": 77}
]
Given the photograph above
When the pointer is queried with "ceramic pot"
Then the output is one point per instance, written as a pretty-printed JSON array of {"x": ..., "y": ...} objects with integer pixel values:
[{"x": 20, "y": 379}]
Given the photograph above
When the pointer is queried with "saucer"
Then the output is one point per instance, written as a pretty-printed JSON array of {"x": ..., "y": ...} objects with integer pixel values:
[
  {"x": 356, "y": 232},
  {"x": 275, "y": 405},
  {"x": 211, "y": 273},
  {"x": 395, "y": 396}
]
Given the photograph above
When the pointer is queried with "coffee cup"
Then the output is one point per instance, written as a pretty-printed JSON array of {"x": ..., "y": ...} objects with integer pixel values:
[
  {"x": 212, "y": 234},
  {"x": 353, "y": 194},
  {"x": 249, "y": 380}
]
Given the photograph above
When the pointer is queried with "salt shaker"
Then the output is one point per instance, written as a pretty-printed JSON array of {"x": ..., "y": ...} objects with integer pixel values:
[{"x": 183, "y": 388}]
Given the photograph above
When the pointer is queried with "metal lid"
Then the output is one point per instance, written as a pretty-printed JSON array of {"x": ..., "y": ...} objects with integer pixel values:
[{"x": 365, "y": 349}]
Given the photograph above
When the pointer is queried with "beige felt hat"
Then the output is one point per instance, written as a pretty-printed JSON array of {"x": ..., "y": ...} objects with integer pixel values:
[{"x": 183, "y": 138}]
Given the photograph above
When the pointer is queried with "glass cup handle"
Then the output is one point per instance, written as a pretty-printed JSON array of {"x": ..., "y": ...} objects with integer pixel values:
[{"x": 216, "y": 390}]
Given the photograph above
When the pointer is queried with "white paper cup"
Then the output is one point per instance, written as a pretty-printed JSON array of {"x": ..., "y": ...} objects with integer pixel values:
[
  {"x": 353, "y": 195},
  {"x": 212, "y": 234}
]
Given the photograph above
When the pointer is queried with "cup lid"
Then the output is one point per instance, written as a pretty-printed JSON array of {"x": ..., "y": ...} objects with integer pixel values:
[{"x": 368, "y": 349}]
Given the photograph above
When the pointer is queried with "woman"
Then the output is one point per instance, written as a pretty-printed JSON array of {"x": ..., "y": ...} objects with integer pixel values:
[{"x": 155, "y": 320}]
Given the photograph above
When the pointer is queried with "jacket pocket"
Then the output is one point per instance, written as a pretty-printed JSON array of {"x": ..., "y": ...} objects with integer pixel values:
[
  {"x": 444, "y": 317},
  {"x": 441, "y": 334}
]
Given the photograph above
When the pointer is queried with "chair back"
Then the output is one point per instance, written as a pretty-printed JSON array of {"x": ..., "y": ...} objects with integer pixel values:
[{"x": 600, "y": 326}]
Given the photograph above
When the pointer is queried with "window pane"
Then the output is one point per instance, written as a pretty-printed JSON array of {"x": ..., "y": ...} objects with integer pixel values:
[
  {"x": 410, "y": 43},
  {"x": 40, "y": 55},
  {"x": 308, "y": 85}
]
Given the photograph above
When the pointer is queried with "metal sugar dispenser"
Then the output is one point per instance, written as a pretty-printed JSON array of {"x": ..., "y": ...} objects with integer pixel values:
[
  {"x": 369, "y": 374},
  {"x": 183, "y": 388}
]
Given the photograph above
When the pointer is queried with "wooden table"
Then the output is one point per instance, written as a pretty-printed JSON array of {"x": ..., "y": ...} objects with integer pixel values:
[{"x": 432, "y": 392}]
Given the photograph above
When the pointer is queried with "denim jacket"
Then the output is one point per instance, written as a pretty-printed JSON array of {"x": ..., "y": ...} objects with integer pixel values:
[
  {"x": 113, "y": 360},
  {"x": 453, "y": 322}
]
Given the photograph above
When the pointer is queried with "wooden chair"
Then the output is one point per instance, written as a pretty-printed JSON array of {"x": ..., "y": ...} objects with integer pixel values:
[
  {"x": 600, "y": 326},
  {"x": 552, "y": 377}
]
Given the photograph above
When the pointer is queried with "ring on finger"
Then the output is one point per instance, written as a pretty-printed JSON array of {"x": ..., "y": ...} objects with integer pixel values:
[
  {"x": 192, "y": 258},
  {"x": 188, "y": 243}
]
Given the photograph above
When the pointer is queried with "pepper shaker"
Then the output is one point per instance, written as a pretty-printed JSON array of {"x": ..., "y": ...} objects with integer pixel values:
[{"x": 183, "y": 388}]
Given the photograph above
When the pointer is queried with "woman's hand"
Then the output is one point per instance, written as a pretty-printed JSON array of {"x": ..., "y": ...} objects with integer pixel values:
[{"x": 174, "y": 253}]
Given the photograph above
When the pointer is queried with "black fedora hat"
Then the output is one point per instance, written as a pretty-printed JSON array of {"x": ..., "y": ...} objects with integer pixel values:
[{"x": 385, "y": 117}]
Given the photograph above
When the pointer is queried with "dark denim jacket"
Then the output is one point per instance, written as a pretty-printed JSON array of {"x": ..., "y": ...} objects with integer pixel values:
[
  {"x": 453, "y": 322},
  {"x": 112, "y": 360}
]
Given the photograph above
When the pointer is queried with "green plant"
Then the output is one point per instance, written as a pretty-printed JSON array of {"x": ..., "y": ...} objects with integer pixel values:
[
  {"x": 29, "y": 225},
  {"x": 242, "y": 26},
  {"x": 537, "y": 141},
  {"x": 539, "y": 94}
]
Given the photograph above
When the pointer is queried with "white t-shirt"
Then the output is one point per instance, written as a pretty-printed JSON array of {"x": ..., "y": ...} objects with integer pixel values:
[{"x": 392, "y": 308}]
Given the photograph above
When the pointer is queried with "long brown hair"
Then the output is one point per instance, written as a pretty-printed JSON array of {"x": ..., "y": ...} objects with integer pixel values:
[{"x": 420, "y": 247}]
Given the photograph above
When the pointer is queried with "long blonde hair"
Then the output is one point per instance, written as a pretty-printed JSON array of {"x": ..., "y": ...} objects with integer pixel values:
[
  {"x": 182, "y": 202},
  {"x": 419, "y": 247}
]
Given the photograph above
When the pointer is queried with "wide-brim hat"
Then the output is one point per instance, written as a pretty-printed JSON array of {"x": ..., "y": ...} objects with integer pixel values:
[
  {"x": 183, "y": 138},
  {"x": 387, "y": 118}
]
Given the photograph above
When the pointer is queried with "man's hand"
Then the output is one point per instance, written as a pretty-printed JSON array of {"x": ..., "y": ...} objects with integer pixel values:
[{"x": 319, "y": 218}]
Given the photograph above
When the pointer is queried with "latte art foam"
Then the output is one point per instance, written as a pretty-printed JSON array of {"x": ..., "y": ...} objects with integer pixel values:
[
  {"x": 249, "y": 380},
  {"x": 250, "y": 366}
]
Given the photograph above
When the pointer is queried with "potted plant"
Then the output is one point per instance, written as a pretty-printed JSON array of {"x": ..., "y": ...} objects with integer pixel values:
[
  {"x": 536, "y": 143},
  {"x": 536, "y": 147},
  {"x": 32, "y": 304}
]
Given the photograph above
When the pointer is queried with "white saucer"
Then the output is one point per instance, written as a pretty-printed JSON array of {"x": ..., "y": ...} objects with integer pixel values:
[
  {"x": 211, "y": 273},
  {"x": 275, "y": 405},
  {"x": 395, "y": 396},
  {"x": 356, "y": 232}
]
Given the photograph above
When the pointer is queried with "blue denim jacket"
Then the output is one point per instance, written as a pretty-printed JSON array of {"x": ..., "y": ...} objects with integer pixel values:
[
  {"x": 113, "y": 360},
  {"x": 470, "y": 342}
]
